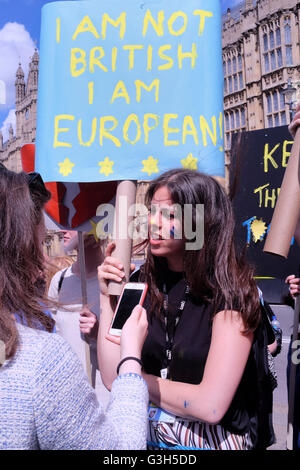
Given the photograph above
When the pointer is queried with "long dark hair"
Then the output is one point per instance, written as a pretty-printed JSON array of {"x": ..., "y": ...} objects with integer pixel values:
[
  {"x": 215, "y": 273},
  {"x": 21, "y": 256}
]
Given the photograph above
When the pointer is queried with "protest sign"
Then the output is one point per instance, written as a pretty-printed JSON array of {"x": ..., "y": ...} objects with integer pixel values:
[
  {"x": 259, "y": 161},
  {"x": 129, "y": 90}
]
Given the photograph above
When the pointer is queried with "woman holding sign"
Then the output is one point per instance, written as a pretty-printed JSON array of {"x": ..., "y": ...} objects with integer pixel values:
[
  {"x": 46, "y": 399},
  {"x": 200, "y": 358}
]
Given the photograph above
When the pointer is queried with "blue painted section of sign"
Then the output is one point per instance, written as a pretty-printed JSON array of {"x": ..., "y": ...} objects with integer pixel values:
[{"x": 127, "y": 91}]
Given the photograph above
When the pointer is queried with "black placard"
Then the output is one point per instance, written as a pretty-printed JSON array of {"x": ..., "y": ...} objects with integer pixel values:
[{"x": 258, "y": 162}]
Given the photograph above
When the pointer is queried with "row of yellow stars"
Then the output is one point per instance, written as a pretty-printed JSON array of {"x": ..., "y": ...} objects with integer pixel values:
[{"x": 150, "y": 165}]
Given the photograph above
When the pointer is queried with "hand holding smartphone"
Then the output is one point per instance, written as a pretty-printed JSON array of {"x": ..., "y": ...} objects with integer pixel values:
[{"x": 133, "y": 294}]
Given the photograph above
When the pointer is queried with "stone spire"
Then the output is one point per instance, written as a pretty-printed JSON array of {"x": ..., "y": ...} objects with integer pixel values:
[
  {"x": 1, "y": 140},
  {"x": 20, "y": 85},
  {"x": 248, "y": 5},
  {"x": 11, "y": 133},
  {"x": 32, "y": 81}
]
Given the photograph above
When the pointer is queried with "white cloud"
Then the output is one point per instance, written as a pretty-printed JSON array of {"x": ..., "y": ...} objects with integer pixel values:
[
  {"x": 16, "y": 45},
  {"x": 2, "y": 92},
  {"x": 10, "y": 120}
]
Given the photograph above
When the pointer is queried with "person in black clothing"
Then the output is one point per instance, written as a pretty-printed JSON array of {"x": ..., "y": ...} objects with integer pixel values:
[{"x": 203, "y": 354}]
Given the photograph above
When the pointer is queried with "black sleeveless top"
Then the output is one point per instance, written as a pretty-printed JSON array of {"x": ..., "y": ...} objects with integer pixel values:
[{"x": 190, "y": 350}]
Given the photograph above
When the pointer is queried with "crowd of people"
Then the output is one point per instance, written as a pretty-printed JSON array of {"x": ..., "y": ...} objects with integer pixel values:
[{"x": 193, "y": 365}]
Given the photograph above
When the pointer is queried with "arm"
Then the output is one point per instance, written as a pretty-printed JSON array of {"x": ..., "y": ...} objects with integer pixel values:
[
  {"x": 297, "y": 232},
  {"x": 293, "y": 129},
  {"x": 67, "y": 414},
  {"x": 108, "y": 352},
  {"x": 273, "y": 347},
  {"x": 226, "y": 361},
  {"x": 88, "y": 323},
  {"x": 295, "y": 122}
]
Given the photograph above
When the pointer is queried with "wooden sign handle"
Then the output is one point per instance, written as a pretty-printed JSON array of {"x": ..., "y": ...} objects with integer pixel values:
[
  {"x": 125, "y": 199},
  {"x": 84, "y": 302}
]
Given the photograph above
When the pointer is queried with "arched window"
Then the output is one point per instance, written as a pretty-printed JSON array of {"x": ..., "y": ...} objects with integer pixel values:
[
  {"x": 240, "y": 62},
  {"x": 229, "y": 66},
  {"x": 278, "y": 37},
  {"x": 266, "y": 44},
  {"x": 287, "y": 32},
  {"x": 227, "y": 122},
  {"x": 234, "y": 64},
  {"x": 269, "y": 102},
  {"x": 272, "y": 42},
  {"x": 243, "y": 117},
  {"x": 237, "y": 118},
  {"x": 232, "y": 121}
]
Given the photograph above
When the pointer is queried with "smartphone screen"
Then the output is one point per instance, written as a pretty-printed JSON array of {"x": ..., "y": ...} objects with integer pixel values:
[{"x": 130, "y": 299}]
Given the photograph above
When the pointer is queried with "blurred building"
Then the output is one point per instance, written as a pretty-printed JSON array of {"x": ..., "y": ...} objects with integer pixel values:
[
  {"x": 261, "y": 56},
  {"x": 26, "y": 108}
]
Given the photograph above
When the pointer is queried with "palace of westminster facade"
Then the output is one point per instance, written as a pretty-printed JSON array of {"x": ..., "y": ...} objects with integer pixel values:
[{"x": 261, "y": 55}]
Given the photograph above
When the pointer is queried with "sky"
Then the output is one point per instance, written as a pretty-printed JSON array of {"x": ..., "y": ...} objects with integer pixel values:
[{"x": 19, "y": 35}]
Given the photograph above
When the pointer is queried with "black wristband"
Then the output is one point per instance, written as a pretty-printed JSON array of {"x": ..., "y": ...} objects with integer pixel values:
[{"x": 129, "y": 358}]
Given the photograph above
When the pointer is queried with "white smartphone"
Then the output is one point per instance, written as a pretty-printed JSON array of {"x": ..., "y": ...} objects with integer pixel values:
[{"x": 133, "y": 294}]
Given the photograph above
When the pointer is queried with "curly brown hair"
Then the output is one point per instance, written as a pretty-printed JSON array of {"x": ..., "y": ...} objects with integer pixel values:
[
  {"x": 215, "y": 273},
  {"x": 21, "y": 256}
]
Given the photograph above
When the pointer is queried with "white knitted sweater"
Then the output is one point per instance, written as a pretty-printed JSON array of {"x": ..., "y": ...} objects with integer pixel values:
[{"x": 46, "y": 401}]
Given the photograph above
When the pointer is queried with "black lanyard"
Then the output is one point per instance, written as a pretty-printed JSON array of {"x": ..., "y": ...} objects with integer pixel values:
[{"x": 165, "y": 372}]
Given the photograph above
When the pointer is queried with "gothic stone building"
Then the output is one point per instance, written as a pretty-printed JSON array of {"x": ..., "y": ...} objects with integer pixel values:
[
  {"x": 261, "y": 54},
  {"x": 26, "y": 107}
]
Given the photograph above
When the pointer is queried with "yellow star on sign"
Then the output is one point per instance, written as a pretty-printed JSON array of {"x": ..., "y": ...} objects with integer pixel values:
[
  {"x": 93, "y": 230},
  {"x": 150, "y": 165},
  {"x": 258, "y": 229},
  {"x": 106, "y": 166},
  {"x": 190, "y": 162},
  {"x": 66, "y": 166}
]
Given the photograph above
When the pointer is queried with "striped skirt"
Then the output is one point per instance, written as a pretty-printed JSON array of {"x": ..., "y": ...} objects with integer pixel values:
[{"x": 193, "y": 435}]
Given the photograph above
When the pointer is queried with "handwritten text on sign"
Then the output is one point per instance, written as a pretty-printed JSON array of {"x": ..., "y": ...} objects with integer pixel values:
[
  {"x": 274, "y": 157},
  {"x": 259, "y": 160},
  {"x": 129, "y": 94}
]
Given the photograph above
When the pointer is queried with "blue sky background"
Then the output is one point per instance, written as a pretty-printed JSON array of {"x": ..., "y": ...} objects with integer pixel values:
[{"x": 19, "y": 35}]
